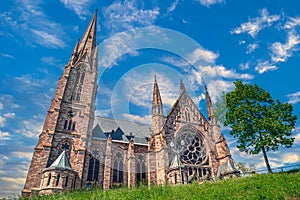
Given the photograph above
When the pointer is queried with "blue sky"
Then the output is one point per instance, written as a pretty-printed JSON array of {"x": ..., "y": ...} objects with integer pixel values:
[{"x": 202, "y": 42}]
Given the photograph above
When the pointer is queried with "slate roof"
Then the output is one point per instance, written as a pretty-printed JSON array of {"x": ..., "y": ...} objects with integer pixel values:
[
  {"x": 61, "y": 163},
  {"x": 120, "y": 130}
]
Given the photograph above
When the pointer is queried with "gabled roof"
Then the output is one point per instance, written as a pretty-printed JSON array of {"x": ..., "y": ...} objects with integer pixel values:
[
  {"x": 61, "y": 163},
  {"x": 120, "y": 130}
]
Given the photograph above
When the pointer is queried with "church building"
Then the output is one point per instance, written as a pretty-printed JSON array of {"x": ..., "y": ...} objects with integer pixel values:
[{"x": 77, "y": 149}]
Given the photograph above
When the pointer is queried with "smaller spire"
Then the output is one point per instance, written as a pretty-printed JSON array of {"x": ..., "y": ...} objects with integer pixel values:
[
  {"x": 156, "y": 94},
  {"x": 210, "y": 109},
  {"x": 62, "y": 162},
  {"x": 182, "y": 88}
]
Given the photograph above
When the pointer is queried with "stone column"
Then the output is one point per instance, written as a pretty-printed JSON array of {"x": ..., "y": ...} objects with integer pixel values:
[{"x": 107, "y": 166}]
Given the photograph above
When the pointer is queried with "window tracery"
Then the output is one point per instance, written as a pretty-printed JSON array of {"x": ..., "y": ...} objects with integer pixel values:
[
  {"x": 193, "y": 152},
  {"x": 118, "y": 169}
]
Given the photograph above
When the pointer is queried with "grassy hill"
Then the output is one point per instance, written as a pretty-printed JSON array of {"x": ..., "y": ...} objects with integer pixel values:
[{"x": 264, "y": 186}]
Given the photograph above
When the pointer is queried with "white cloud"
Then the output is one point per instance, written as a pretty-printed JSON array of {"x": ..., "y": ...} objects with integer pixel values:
[
  {"x": 203, "y": 55},
  {"x": 79, "y": 7},
  {"x": 221, "y": 71},
  {"x": 244, "y": 66},
  {"x": 297, "y": 138},
  {"x": 5, "y": 135},
  {"x": 281, "y": 52},
  {"x": 21, "y": 154},
  {"x": 216, "y": 88},
  {"x": 49, "y": 60},
  {"x": 290, "y": 158},
  {"x": 251, "y": 48},
  {"x": 13, "y": 180},
  {"x": 8, "y": 56},
  {"x": 31, "y": 128},
  {"x": 294, "y": 97},
  {"x": 255, "y": 25},
  {"x": 1, "y": 106},
  {"x": 292, "y": 23},
  {"x": 8, "y": 101},
  {"x": 144, "y": 120},
  {"x": 27, "y": 80},
  {"x": 208, "y": 3},
  {"x": 47, "y": 39},
  {"x": 28, "y": 20},
  {"x": 126, "y": 15},
  {"x": 173, "y": 6},
  {"x": 265, "y": 66},
  {"x": 2, "y": 121},
  {"x": 9, "y": 115},
  {"x": 176, "y": 61}
]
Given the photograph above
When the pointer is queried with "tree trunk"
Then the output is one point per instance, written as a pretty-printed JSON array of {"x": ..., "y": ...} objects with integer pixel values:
[{"x": 266, "y": 159}]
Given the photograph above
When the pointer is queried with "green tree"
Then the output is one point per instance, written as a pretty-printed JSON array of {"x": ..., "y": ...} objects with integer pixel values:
[
  {"x": 242, "y": 166},
  {"x": 259, "y": 122}
]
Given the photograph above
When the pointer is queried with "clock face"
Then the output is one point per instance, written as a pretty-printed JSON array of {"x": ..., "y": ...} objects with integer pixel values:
[{"x": 192, "y": 148}]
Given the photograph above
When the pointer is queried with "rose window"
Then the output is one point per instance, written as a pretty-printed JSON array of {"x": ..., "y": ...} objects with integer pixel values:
[{"x": 193, "y": 152}]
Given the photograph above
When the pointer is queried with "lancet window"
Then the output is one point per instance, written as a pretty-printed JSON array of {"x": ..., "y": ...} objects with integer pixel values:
[{"x": 118, "y": 169}]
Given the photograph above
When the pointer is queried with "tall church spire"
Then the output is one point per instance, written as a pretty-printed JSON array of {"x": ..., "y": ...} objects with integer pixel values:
[
  {"x": 210, "y": 109},
  {"x": 156, "y": 100},
  {"x": 88, "y": 41},
  {"x": 157, "y": 109}
]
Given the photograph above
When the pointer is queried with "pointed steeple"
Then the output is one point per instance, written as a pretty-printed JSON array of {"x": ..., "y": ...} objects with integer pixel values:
[
  {"x": 182, "y": 88},
  {"x": 210, "y": 109},
  {"x": 156, "y": 94},
  {"x": 88, "y": 41},
  {"x": 61, "y": 162}
]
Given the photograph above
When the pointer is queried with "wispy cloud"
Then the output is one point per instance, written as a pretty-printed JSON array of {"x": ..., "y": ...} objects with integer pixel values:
[
  {"x": 202, "y": 55},
  {"x": 21, "y": 154},
  {"x": 5, "y": 55},
  {"x": 28, "y": 20},
  {"x": 173, "y": 6},
  {"x": 281, "y": 52},
  {"x": 79, "y": 7},
  {"x": 292, "y": 23},
  {"x": 175, "y": 61},
  {"x": 255, "y": 25},
  {"x": 208, "y": 3},
  {"x": 49, "y": 60},
  {"x": 141, "y": 119},
  {"x": 5, "y": 135},
  {"x": 244, "y": 66},
  {"x": 47, "y": 39},
  {"x": 27, "y": 80},
  {"x": 294, "y": 97},
  {"x": 31, "y": 128},
  {"x": 2, "y": 121},
  {"x": 251, "y": 48},
  {"x": 125, "y": 15},
  {"x": 221, "y": 71},
  {"x": 265, "y": 66}
]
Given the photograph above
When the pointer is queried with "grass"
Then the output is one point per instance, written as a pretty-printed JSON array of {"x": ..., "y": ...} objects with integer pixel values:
[{"x": 259, "y": 186}]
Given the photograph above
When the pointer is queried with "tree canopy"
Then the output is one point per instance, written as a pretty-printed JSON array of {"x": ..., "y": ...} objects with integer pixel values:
[{"x": 259, "y": 122}]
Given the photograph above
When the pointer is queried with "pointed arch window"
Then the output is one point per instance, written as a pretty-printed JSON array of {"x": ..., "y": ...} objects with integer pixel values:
[
  {"x": 66, "y": 182},
  {"x": 118, "y": 169},
  {"x": 93, "y": 172},
  {"x": 77, "y": 87},
  {"x": 140, "y": 169},
  {"x": 57, "y": 179},
  {"x": 49, "y": 179}
]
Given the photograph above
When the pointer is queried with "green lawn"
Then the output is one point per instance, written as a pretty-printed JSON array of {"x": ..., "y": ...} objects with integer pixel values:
[{"x": 264, "y": 186}]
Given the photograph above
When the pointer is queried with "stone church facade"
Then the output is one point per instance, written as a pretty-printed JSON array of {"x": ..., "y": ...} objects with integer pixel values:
[{"x": 77, "y": 150}]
